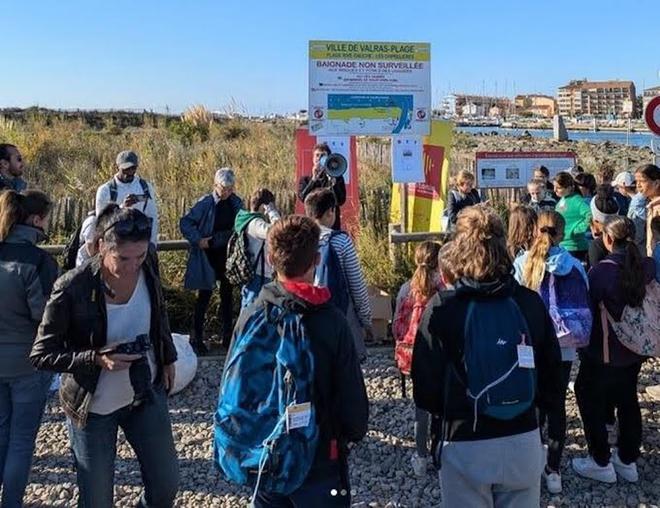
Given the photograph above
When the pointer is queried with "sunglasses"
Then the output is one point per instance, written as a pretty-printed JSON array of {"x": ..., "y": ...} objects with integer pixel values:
[{"x": 128, "y": 225}]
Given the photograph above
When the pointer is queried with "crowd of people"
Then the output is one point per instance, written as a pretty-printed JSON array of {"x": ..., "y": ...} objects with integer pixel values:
[{"x": 488, "y": 328}]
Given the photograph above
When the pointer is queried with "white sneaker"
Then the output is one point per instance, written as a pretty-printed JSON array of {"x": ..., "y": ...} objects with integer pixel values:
[
  {"x": 419, "y": 465},
  {"x": 588, "y": 468},
  {"x": 552, "y": 481},
  {"x": 626, "y": 471}
]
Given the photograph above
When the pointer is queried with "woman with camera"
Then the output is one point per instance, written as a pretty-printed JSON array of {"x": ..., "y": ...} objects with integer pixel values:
[{"x": 105, "y": 328}]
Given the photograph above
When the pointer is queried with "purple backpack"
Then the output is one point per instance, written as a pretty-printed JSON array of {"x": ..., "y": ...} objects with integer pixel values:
[{"x": 568, "y": 306}]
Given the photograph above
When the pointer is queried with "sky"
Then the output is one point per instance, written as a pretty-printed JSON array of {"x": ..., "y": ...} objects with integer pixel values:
[{"x": 251, "y": 55}]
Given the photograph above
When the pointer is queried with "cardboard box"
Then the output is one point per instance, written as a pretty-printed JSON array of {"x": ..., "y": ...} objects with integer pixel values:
[{"x": 381, "y": 304}]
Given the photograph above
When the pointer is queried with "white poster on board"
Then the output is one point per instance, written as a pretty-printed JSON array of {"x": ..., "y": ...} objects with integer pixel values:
[
  {"x": 340, "y": 145},
  {"x": 516, "y": 169},
  {"x": 407, "y": 159},
  {"x": 369, "y": 88}
]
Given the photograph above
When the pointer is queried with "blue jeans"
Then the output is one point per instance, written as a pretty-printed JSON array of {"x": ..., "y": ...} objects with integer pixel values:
[
  {"x": 251, "y": 290},
  {"x": 325, "y": 487},
  {"x": 149, "y": 432},
  {"x": 22, "y": 402}
]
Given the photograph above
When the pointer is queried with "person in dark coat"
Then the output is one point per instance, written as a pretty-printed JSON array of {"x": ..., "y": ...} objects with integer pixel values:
[
  {"x": 207, "y": 226},
  {"x": 321, "y": 180}
]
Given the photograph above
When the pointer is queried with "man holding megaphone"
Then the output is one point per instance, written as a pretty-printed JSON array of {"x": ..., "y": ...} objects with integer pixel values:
[{"x": 327, "y": 173}]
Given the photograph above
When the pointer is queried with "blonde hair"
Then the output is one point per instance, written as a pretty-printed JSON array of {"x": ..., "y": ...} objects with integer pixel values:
[
  {"x": 464, "y": 176},
  {"x": 15, "y": 208},
  {"x": 522, "y": 223},
  {"x": 550, "y": 230},
  {"x": 478, "y": 250},
  {"x": 424, "y": 281}
]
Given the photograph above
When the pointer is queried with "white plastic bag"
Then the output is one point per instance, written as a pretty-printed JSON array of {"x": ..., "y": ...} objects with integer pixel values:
[{"x": 186, "y": 363}]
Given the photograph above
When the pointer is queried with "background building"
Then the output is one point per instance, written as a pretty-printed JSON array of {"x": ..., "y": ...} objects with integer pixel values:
[
  {"x": 649, "y": 93},
  {"x": 600, "y": 99},
  {"x": 535, "y": 105},
  {"x": 462, "y": 105}
]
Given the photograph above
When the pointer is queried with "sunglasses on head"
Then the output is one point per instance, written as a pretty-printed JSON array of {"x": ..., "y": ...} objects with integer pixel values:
[{"x": 126, "y": 226}]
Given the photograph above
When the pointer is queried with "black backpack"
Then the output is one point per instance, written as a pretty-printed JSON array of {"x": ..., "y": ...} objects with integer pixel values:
[
  {"x": 240, "y": 267},
  {"x": 70, "y": 252}
]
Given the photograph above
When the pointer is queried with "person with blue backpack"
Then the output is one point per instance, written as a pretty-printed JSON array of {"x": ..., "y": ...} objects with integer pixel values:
[
  {"x": 292, "y": 395},
  {"x": 339, "y": 269},
  {"x": 561, "y": 281},
  {"x": 486, "y": 355}
]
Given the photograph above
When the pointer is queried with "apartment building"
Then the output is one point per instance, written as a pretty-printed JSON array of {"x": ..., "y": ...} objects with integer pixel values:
[
  {"x": 536, "y": 105},
  {"x": 649, "y": 94},
  {"x": 600, "y": 99},
  {"x": 462, "y": 105}
]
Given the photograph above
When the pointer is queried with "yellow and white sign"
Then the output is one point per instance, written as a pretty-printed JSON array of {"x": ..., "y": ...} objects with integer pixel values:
[
  {"x": 426, "y": 201},
  {"x": 369, "y": 88}
]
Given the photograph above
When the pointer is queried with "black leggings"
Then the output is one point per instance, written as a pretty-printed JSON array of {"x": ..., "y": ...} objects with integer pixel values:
[
  {"x": 599, "y": 387},
  {"x": 225, "y": 311},
  {"x": 557, "y": 422}
]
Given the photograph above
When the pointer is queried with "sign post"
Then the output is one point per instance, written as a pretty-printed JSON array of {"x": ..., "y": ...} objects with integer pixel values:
[{"x": 652, "y": 117}]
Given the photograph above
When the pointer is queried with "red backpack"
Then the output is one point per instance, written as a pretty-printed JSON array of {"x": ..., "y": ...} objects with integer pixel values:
[{"x": 404, "y": 330}]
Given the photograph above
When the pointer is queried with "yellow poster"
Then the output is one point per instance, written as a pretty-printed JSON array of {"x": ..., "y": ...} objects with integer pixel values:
[{"x": 426, "y": 201}]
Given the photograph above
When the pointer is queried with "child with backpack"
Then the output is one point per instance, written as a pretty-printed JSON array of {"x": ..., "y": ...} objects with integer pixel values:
[
  {"x": 561, "y": 281},
  {"x": 603, "y": 205},
  {"x": 292, "y": 394},
  {"x": 411, "y": 302},
  {"x": 485, "y": 355},
  {"x": 339, "y": 269},
  {"x": 463, "y": 196},
  {"x": 620, "y": 286},
  {"x": 254, "y": 225}
]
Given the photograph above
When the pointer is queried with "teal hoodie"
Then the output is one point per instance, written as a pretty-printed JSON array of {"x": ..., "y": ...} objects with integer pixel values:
[
  {"x": 577, "y": 215},
  {"x": 243, "y": 218}
]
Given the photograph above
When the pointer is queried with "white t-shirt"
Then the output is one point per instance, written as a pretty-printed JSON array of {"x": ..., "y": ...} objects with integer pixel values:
[
  {"x": 86, "y": 236},
  {"x": 125, "y": 322},
  {"x": 123, "y": 190}
]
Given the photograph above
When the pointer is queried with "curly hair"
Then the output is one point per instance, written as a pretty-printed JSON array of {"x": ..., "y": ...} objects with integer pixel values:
[{"x": 478, "y": 249}]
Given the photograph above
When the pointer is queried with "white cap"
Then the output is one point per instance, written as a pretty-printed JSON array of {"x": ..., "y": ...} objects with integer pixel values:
[{"x": 625, "y": 179}]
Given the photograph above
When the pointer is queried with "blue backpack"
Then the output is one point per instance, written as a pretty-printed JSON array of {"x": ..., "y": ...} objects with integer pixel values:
[
  {"x": 330, "y": 274},
  {"x": 269, "y": 368},
  {"x": 499, "y": 387}
]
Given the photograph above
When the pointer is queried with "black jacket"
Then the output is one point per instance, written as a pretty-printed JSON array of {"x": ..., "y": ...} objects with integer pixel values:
[
  {"x": 456, "y": 201},
  {"x": 74, "y": 327},
  {"x": 340, "y": 396},
  {"x": 440, "y": 340},
  {"x": 307, "y": 184}
]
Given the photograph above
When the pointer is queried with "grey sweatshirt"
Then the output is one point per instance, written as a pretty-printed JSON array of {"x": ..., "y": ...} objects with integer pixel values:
[{"x": 27, "y": 275}]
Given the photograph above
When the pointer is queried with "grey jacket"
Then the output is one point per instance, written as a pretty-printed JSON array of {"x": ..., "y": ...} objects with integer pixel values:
[{"x": 27, "y": 275}]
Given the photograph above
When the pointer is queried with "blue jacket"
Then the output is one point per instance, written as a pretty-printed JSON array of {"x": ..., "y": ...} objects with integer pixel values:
[{"x": 195, "y": 225}]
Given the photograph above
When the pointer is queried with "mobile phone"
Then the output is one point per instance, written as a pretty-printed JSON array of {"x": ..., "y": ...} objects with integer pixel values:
[{"x": 140, "y": 197}]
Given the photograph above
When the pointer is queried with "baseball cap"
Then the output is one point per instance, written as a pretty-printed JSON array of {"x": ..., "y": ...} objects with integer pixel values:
[
  {"x": 625, "y": 179},
  {"x": 127, "y": 159}
]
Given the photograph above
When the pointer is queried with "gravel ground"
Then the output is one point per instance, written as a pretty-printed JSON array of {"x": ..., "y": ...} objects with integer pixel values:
[{"x": 380, "y": 464}]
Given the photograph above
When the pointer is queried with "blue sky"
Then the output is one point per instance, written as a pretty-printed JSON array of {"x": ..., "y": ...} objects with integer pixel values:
[{"x": 253, "y": 54}]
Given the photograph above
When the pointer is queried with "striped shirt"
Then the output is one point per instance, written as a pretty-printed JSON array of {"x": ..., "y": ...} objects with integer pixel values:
[{"x": 350, "y": 266}]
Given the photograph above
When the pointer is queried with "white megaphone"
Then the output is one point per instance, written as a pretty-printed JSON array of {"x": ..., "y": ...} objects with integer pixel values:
[{"x": 334, "y": 165}]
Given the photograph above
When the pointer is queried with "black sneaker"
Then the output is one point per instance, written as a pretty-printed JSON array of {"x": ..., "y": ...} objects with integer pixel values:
[{"x": 200, "y": 348}]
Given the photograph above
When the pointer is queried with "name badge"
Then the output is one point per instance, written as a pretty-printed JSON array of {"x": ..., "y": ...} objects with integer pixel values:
[
  {"x": 298, "y": 416},
  {"x": 525, "y": 356}
]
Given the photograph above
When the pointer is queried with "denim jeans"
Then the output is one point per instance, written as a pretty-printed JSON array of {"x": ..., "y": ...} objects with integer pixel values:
[
  {"x": 22, "y": 402},
  {"x": 149, "y": 432},
  {"x": 251, "y": 290}
]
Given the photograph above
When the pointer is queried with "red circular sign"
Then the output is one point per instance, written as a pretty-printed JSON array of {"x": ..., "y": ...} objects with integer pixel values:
[{"x": 652, "y": 115}]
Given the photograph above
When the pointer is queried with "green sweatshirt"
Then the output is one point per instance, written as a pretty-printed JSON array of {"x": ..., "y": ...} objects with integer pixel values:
[
  {"x": 577, "y": 215},
  {"x": 243, "y": 218}
]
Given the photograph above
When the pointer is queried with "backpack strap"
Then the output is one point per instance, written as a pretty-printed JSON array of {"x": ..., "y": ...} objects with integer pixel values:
[
  {"x": 145, "y": 191},
  {"x": 112, "y": 185},
  {"x": 552, "y": 290},
  {"x": 604, "y": 317}
]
